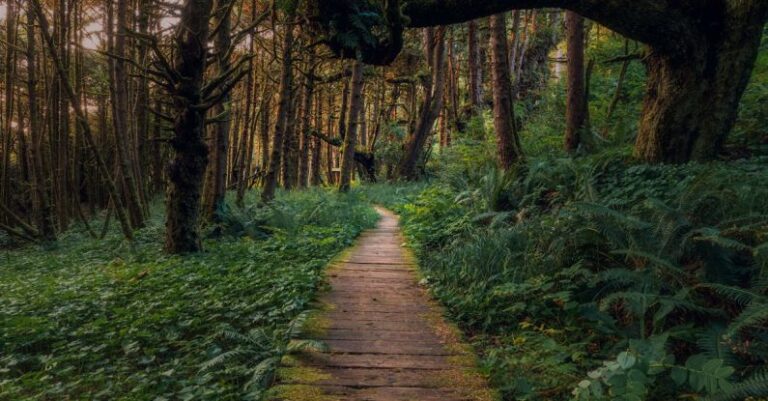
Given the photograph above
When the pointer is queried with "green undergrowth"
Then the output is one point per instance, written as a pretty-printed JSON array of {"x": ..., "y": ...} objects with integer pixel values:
[
  {"x": 597, "y": 278},
  {"x": 101, "y": 320}
]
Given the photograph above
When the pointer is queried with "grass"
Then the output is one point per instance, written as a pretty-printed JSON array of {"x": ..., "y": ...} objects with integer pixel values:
[{"x": 98, "y": 319}]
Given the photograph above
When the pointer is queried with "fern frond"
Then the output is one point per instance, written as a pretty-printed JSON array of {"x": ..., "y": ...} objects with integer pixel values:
[
  {"x": 756, "y": 386},
  {"x": 712, "y": 236},
  {"x": 665, "y": 266},
  {"x": 306, "y": 345},
  {"x": 263, "y": 374},
  {"x": 713, "y": 346},
  {"x": 603, "y": 211},
  {"x": 756, "y": 313},
  {"x": 738, "y": 295},
  {"x": 226, "y": 358}
]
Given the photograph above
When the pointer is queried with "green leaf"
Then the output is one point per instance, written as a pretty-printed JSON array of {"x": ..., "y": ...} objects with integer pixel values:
[
  {"x": 626, "y": 360},
  {"x": 679, "y": 375}
]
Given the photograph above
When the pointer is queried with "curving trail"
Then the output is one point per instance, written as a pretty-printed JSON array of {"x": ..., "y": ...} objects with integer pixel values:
[{"x": 387, "y": 339}]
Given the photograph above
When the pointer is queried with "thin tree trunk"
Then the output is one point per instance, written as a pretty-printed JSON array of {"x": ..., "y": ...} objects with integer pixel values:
[
  {"x": 278, "y": 138},
  {"x": 142, "y": 105},
  {"x": 617, "y": 93},
  {"x": 10, "y": 71},
  {"x": 291, "y": 145},
  {"x": 121, "y": 116},
  {"x": 356, "y": 103},
  {"x": 82, "y": 121},
  {"x": 306, "y": 110},
  {"x": 217, "y": 169},
  {"x": 158, "y": 183},
  {"x": 474, "y": 66},
  {"x": 315, "y": 176}
]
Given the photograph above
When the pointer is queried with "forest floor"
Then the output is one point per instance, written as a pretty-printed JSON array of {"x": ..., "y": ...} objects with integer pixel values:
[{"x": 384, "y": 338}]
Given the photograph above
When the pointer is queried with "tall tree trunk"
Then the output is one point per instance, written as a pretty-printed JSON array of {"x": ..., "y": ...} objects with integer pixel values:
[
  {"x": 474, "y": 66},
  {"x": 158, "y": 182},
  {"x": 247, "y": 133},
  {"x": 216, "y": 182},
  {"x": 350, "y": 139},
  {"x": 10, "y": 70},
  {"x": 507, "y": 140},
  {"x": 44, "y": 212},
  {"x": 278, "y": 138},
  {"x": 187, "y": 169},
  {"x": 291, "y": 145},
  {"x": 121, "y": 116},
  {"x": 328, "y": 147},
  {"x": 306, "y": 115},
  {"x": 430, "y": 109},
  {"x": 143, "y": 104},
  {"x": 82, "y": 121},
  {"x": 576, "y": 103},
  {"x": 315, "y": 176}
]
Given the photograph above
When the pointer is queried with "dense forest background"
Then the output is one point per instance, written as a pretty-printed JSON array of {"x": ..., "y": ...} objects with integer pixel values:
[{"x": 585, "y": 195}]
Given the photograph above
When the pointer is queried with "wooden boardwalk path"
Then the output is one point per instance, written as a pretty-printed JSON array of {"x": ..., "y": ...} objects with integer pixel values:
[{"x": 387, "y": 341}]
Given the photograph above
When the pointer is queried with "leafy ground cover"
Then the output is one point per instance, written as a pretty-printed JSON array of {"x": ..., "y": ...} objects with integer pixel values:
[
  {"x": 596, "y": 278},
  {"x": 97, "y": 319}
]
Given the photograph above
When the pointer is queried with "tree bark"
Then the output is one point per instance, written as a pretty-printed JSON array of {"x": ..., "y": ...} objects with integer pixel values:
[
  {"x": 121, "y": 117},
  {"x": 576, "y": 102},
  {"x": 507, "y": 140},
  {"x": 187, "y": 168},
  {"x": 430, "y": 109},
  {"x": 692, "y": 99},
  {"x": 278, "y": 138},
  {"x": 82, "y": 121},
  {"x": 10, "y": 70},
  {"x": 315, "y": 174},
  {"x": 306, "y": 114},
  {"x": 474, "y": 67},
  {"x": 350, "y": 139},
  {"x": 216, "y": 182},
  {"x": 44, "y": 212}
]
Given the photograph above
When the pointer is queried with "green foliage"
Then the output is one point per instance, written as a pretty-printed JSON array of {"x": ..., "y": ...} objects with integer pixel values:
[
  {"x": 598, "y": 279},
  {"x": 750, "y": 132},
  {"x": 99, "y": 320}
]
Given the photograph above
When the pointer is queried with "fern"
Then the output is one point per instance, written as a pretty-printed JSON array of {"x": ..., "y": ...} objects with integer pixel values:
[
  {"x": 755, "y": 386},
  {"x": 754, "y": 315},
  {"x": 737, "y": 295},
  {"x": 713, "y": 346}
]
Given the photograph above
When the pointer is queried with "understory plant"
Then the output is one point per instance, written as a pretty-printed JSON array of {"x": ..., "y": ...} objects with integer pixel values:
[
  {"x": 599, "y": 279},
  {"x": 104, "y": 320}
]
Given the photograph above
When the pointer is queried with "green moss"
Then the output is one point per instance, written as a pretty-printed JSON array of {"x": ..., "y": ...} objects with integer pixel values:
[
  {"x": 298, "y": 392},
  {"x": 316, "y": 325},
  {"x": 304, "y": 375}
]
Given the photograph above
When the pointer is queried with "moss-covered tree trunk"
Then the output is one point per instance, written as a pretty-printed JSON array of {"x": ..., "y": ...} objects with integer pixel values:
[
  {"x": 692, "y": 97},
  {"x": 187, "y": 168}
]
